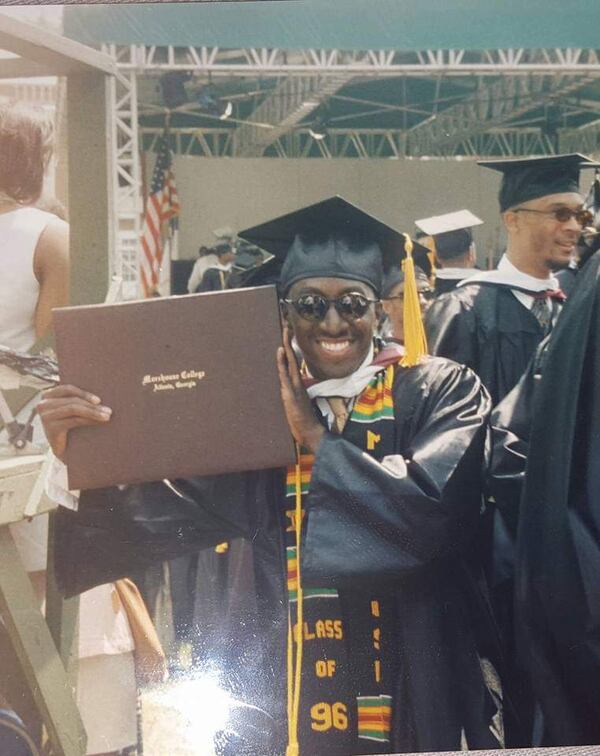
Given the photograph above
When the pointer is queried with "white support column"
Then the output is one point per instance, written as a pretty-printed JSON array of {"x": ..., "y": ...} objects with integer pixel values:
[{"x": 126, "y": 172}]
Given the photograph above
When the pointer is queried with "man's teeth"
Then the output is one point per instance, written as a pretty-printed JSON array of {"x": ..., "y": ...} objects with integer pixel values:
[{"x": 335, "y": 346}]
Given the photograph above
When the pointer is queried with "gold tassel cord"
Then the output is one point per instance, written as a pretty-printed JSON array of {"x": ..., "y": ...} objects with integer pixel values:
[
  {"x": 295, "y": 674},
  {"x": 415, "y": 341}
]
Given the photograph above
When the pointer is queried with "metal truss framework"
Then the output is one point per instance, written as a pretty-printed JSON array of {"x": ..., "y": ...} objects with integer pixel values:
[
  {"x": 293, "y": 99},
  {"x": 275, "y": 62},
  {"x": 375, "y": 143},
  {"x": 490, "y": 107},
  {"x": 127, "y": 186},
  {"x": 585, "y": 139},
  {"x": 523, "y": 79}
]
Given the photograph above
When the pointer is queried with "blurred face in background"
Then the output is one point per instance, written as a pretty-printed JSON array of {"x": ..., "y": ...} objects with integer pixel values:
[{"x": 393, "y": 304}]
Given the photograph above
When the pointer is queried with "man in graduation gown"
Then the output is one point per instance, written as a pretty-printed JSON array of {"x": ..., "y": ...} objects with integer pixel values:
[
  {"x": 398, "y": 649},
  {"x": 589, "y": 241},
  {"x": 215, "y": 278},
  {"x": 494, "y": 321},
  {"x": 455, "y": 253},
  {"x": 545, "y": 436}
]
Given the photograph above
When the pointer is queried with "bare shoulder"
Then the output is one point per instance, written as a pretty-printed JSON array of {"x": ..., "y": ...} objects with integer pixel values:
[{"x": 52, "y": 249}]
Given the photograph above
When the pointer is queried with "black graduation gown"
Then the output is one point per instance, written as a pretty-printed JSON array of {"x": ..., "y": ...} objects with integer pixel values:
[
  {"x": 558, "y": 558},
  {"x": 566, "y": 279},
  {"x": 369, "y": 526},
  {"x": 510, "y": 433},
  {"x": 484, "y": 326},
  {"x": 510, "y": 424},
  {"x": 444, "y": 285},
  {"x": 214, "y": 279}
]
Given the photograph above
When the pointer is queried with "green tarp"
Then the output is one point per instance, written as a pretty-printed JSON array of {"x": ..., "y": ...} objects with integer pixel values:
[{"x": 343, "y": 24}]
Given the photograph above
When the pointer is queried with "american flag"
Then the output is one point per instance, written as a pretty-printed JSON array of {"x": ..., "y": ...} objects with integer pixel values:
[{"x": 160, "y": 218}]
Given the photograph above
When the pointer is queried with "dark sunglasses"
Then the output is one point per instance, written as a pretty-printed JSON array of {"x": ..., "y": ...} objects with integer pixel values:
[
  {"x": 562, "y": 214},
  {"x": 314, "y": 307}
]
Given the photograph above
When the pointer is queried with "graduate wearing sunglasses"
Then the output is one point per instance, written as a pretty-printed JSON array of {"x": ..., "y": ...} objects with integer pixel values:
[
  {"x": 391, "y": 326},
  {"x": 370, "y": 633},
  {"x": 494, "y": 321}
]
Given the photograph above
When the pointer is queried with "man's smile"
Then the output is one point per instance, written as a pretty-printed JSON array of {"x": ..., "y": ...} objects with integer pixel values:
[{"x": 334, "y": 347}]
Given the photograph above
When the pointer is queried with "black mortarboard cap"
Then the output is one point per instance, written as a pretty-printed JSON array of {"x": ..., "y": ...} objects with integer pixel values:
[
  {"x": 530, "y": 178},
  {"x": 421, "y": 256},
  {"x": 331, "y": 239},
  {"x": 245, "y": 260},
  {"x": 267, "y": 272}
]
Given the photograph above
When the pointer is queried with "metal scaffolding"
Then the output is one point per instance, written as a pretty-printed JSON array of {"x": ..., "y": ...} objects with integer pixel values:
[
  {"x": 491, "y": 106},
  {"x": 494, "y": 117},
  {"x": 127, "y": 186},
  {"x": 275, "y": 62},
  {"x": 291, "y": 101}
]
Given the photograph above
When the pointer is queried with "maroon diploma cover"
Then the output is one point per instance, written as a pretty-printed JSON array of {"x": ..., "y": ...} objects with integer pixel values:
[{"x": 192, "y": 382}]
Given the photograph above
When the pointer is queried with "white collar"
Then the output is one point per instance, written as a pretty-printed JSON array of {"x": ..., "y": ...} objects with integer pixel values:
[
  {"x": 350, "y": 385},
  {"x": 508, "y": 275},
  {"x": 455, "y": 274}
]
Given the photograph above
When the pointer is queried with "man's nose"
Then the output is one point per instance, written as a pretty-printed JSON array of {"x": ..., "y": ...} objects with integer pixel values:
[
  {"x": 572, "y": 225},
  {"x": 333, "y": 321}
]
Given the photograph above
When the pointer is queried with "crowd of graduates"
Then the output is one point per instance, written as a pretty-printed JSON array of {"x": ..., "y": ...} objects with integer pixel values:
[
  {"x": 446, "y": 596},
  {"x": 426, "y": 576}
]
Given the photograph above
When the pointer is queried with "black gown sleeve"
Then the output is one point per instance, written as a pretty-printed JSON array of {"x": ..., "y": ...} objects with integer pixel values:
[
  {"x": 450, "y": 329},
  {"x": 117, "y": 531},
  {"x": 211, "y": 281},
  {"x": 385, "y": 519},
  {"x": 510, "y": 433}
]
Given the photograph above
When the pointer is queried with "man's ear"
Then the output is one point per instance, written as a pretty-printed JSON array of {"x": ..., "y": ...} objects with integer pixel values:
[
  {"x": 472, "y": 255},
  {"x": 510, "y": 220},
  {"x": 284, "y": 313}
]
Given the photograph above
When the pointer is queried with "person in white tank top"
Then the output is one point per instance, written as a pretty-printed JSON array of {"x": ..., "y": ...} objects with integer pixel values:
[
  {"x": 34, "y": 245},
  {"x": 34, "y": 278},
  {"x": 21, "y": 231}
]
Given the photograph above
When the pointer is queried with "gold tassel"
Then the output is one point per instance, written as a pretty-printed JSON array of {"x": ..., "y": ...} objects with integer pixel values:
[
  {"x": 415, "y": 341},
  {"x": 294, "y": 670}
]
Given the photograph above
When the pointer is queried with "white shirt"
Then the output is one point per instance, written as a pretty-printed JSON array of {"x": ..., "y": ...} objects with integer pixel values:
[
  {"x": 525, "y": 281},
  {"x": 201, "y": 265},
  {"x": 455, "y": 274},
  {"x": 103, "y": 624},
  {"x": 509, "y": 275}
]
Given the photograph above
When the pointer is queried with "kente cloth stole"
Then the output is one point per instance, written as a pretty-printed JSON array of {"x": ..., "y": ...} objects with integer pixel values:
[{"x": 345, "y": 703}]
